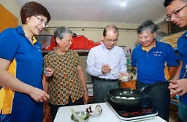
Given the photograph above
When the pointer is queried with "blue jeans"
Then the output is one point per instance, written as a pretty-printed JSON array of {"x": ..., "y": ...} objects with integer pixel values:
[{"x": 182, "y": 109}]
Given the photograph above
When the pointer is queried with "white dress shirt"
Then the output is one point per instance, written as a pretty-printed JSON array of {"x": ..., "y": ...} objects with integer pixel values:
[{"x": 100, "y": 55}]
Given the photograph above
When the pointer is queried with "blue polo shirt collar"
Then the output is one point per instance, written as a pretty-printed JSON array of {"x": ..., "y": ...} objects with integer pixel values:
[
  {"x": 185, "y": 34},
  {"x": 143, "y": 48},
  {"x": 20, "y": 31}
]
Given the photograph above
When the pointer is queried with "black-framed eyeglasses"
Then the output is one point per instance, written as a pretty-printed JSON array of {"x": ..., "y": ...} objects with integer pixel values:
[
  {"x": 176, "y": 13},
  {"x": 111, "y": 40},
  {"x": 42, "y": 21}
]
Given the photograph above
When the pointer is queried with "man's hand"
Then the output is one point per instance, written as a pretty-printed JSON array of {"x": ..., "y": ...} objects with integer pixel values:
[
  {"x": 178, "y": 87},
  {"x": 105, "y": 68}
]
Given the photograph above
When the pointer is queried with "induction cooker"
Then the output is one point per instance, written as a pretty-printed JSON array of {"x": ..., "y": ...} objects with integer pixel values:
[{"x": 137, "y": 113}]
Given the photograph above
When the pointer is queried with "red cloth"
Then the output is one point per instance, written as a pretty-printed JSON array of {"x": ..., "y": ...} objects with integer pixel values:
[
  {"x": 52, "y": 44},
  {"x": 82, "y": 43}
]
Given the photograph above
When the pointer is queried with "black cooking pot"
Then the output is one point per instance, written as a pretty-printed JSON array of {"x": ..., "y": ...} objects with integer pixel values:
[{"x": 126, "y": 97}]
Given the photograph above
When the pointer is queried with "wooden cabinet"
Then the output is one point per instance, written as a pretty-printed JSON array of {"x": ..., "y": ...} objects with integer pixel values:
[{"x": 8, "y": 20}]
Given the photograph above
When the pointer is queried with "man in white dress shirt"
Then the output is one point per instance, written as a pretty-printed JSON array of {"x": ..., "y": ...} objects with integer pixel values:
[{"x": 104, "y": 61}]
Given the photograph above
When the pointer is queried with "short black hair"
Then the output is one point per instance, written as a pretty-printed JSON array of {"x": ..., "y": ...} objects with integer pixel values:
[
  {"x": 148, "y": 24},
  {"x": 167, "y": 2}
]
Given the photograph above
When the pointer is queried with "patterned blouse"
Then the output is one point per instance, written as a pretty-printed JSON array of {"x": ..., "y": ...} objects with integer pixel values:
[{"x": 65, "y": 81}]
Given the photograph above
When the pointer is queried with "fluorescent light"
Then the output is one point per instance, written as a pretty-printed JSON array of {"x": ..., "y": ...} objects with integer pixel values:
[{"x": 123, "y": 3}]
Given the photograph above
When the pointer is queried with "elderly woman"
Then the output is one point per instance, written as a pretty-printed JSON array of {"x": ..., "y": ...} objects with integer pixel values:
[
  {"x": 67, "y": 86},
  {"x": 21, "y": 98}
]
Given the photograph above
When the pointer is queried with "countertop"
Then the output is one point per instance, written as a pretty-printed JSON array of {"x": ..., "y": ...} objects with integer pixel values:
[{"x": 107, "y": 115}]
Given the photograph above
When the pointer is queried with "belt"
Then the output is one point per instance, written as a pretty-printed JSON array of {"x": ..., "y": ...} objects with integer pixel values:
[
  {"x": 154, "y": 84},
  {"x": 104, "y": 79}
]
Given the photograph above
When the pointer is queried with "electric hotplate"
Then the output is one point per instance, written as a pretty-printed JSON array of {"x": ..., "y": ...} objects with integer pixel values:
[{"x": 138, "y": 113}]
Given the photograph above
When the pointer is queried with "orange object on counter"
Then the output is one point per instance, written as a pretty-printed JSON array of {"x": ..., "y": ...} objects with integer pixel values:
[{"x": 130, "y": 84}]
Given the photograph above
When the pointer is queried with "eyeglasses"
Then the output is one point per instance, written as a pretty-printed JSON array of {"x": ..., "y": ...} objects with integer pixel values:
[
  {"x": 176, "y": 13},
  {"x": 111, "y": 40},
  {"x": 42, "y": 21}
]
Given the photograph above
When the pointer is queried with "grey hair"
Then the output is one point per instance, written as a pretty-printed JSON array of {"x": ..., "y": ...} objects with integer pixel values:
[
  {"x": 148, "y": 24},
  {"x": 61, "y": 32}
]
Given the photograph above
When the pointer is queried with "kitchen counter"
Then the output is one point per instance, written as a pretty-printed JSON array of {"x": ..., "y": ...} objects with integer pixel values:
[{"x": 107, "y": 115}]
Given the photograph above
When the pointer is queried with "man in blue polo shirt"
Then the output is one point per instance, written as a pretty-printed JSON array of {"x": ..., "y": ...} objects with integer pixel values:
[
  {"x": 176, "y": 11},
  {"x": 155, "y": 62}
]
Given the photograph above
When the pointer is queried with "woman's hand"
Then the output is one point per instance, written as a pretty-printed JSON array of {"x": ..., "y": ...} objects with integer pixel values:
[
  {"x": 85, "y": 97},
  {"x": 48, "y": 72},
  {"x": 38, "y": 94}
]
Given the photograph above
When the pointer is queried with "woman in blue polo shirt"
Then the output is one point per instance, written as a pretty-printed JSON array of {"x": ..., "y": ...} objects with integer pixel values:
[
  {"x": 155, "y": 62},
  {"x": 21, "y": 98},
  {"x": 176, "y": 13}
]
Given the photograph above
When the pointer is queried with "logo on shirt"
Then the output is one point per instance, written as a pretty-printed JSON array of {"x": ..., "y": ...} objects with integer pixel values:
[
  {"x": 39, "y": 49},
  {"x": 157, "y": 53}
]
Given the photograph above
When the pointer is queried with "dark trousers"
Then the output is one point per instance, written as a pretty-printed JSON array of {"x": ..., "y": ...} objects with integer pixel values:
[
  {"x": 101, "y": 88},
  {"x": 54, "y": 108},
  {"x": 159, "y": 95}
]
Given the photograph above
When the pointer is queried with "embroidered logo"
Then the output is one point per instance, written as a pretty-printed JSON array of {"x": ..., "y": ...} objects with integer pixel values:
[
  {"x": 157, "y": 53},
  {"x": 39, "y": 49}
]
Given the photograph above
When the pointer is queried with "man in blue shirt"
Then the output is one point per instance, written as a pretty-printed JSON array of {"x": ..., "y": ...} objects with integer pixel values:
[
  {"x": 155, "y": 62},
  {"x": 176, "y": 12}
]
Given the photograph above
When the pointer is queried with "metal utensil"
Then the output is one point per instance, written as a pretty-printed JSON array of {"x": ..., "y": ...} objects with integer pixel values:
[{"x": 117, "y": 73}]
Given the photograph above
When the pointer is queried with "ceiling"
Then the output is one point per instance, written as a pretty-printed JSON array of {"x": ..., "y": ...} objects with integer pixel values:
[{"x": 136, "y": 11}]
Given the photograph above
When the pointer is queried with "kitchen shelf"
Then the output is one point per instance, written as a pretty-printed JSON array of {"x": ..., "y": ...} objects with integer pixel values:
[{"x": 172, "y": 39}]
